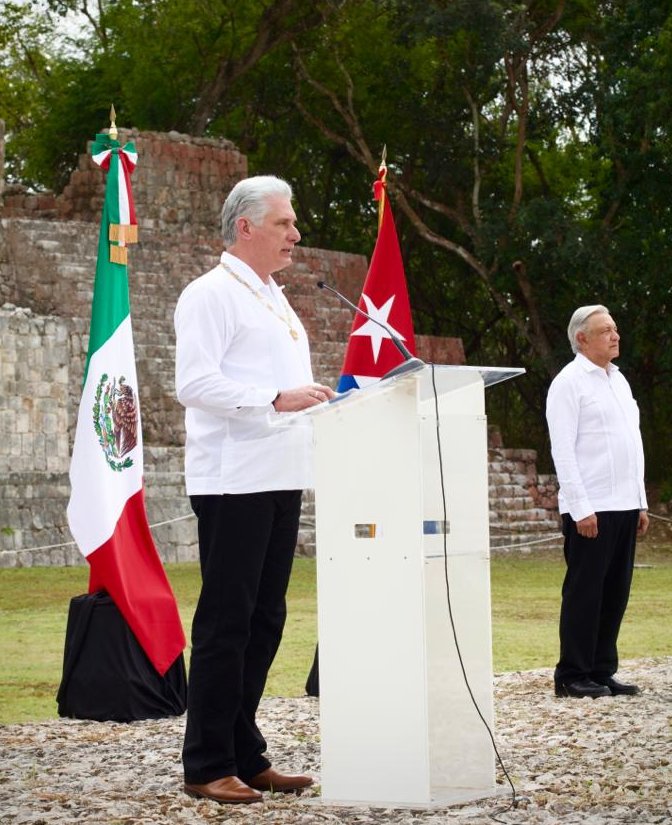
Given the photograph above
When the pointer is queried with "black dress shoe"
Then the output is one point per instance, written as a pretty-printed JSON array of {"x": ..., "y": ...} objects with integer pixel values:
[
  {"x": 580, "y": 688},
  {"x": 617, "y": 687}
]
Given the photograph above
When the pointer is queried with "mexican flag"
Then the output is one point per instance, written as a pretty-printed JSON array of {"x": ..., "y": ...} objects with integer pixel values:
[
  {"x": 371, "y": 354},
  {"x": 106, "y": 512}
]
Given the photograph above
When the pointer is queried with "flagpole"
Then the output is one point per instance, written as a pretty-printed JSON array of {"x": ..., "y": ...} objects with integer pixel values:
[
  {"x": 106, "y": 511},
  {"x": 382, "y": 177}
]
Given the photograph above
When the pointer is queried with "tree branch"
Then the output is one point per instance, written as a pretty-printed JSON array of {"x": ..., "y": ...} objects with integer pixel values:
[
  {"x": 476, "y": 189},
  {"x": 516, "y": 70},
  {"x": 274, "y": 28},
  {"x": 358, "y": 148},
  {"x": 536, "y": 331}
]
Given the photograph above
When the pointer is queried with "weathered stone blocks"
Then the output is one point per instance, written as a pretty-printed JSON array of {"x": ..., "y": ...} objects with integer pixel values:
[{"x": 48, "y": 248}]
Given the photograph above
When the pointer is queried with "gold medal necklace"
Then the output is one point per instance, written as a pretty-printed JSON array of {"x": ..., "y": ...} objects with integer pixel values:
[{"x": 286, "y": 318}]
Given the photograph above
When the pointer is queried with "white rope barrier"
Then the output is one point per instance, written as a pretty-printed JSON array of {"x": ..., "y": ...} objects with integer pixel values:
[
  {"x": 72, "y": 543},
  {"x": 511, "y": 532},
  {"x": 559, "y": 537},
  {"x": 43, "y": 547},
  {"x": 515, "y": 545},
  {"x": 172, "y": 520}
]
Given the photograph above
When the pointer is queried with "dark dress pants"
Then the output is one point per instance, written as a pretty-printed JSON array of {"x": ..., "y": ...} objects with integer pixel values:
[
  {"x": 595, "y": 594},
  {"x": 246, "y": 545}
]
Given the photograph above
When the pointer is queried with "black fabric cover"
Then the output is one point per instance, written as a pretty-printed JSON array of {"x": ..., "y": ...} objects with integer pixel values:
[
  {"x": 106, "y": 674},
  {"x": 313, "y": 680}
]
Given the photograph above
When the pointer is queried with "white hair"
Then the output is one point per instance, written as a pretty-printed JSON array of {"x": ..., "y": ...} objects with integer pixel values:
[
  {"x": 249, "y": 199},
  {"x": 578, "y": 322}
]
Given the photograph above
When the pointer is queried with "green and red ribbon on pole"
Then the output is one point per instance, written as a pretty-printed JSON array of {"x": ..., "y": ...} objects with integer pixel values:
[{"x": 119, "y": 162}]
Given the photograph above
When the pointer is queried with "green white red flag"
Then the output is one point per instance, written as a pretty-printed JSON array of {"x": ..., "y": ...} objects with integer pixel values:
[{"x": 106, "y": 512}]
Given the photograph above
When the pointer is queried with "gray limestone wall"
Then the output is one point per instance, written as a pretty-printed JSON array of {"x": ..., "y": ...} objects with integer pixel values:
[
  {"x": 34, "y": 365},
  {"x": 48, "y": 247},
  {"x": 35, "y": 354},
  {"x": 40, "y": 376},
  {"x": 48, "y": 265}
]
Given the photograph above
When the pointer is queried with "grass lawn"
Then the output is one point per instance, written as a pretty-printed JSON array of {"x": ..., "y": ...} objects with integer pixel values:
[{"x": 525, "y": 601}]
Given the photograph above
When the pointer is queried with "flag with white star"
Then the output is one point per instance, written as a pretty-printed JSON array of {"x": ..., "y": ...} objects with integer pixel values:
[{"x": 371, "y": 352}]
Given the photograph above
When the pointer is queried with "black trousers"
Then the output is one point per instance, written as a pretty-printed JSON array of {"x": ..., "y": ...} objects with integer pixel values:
[
  {"x": 595, "y": 594},
  {"x": 246, "y": 546}
]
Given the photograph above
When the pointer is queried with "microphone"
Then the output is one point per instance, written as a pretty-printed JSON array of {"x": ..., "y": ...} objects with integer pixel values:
[{"x": 410, "y": 363}]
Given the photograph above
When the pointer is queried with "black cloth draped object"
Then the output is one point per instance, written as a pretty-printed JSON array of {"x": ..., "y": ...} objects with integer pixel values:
[{"x": 106, "y": 674}]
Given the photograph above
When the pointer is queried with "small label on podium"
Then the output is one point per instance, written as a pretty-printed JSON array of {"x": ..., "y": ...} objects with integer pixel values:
[
  {"x": 366, "y": 531},
  {"x": 435, "y": 527}
]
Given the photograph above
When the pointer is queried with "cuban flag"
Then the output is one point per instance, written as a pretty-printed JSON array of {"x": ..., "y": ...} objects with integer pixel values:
[{"x": 371, "y": 352}]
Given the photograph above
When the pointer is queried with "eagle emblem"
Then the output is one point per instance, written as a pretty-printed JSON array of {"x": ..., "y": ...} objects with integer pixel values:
[{"x": 115, "y": 420}]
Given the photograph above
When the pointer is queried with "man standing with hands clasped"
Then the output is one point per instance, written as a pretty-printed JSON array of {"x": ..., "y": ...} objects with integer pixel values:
[
  {"x": 242, "y": 358},
  {"x": 599, "y": 460}
]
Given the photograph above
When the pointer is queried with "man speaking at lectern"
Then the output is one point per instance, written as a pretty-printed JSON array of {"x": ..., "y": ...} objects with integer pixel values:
[
  {"x": 242, "y": 357},
  {"x": 599, "y": 460}
]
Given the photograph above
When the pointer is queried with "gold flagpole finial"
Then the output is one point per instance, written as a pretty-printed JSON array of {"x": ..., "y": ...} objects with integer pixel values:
[
  {"x": 383, "y": 157},
  {"x": 113, "y": 125}
]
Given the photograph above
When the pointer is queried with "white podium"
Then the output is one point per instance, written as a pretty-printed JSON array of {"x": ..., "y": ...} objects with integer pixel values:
[{"x": 397, "y": 723}]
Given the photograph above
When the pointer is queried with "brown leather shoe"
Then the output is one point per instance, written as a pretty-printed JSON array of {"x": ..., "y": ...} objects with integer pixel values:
[
  {"x": 271, "y": 780},
  {"x": 227, "y": 790}
]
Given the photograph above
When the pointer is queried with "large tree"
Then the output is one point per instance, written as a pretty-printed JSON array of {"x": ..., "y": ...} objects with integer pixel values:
[
  {"x": 528, "y": 147},
  {"x": 531, "y": 152}
]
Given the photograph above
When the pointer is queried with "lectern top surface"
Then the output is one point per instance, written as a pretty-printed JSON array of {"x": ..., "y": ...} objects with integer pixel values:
[{"x": 489, "y": 375}]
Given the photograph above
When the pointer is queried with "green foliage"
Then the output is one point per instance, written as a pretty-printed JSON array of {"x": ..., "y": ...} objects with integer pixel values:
[
  {"x": 666, "y": 491},
  {"x": 528, "y": 148},
  {"x": 24, "y": 66}
]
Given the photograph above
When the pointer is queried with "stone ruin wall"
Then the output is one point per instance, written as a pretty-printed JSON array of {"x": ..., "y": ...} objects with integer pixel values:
[{"x": 48, "y": 247}]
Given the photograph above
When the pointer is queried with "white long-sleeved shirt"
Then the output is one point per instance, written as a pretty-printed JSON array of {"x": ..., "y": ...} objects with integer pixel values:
[
  {"x": 596, "y": 443},
  {"x": 233, "y": 355}
]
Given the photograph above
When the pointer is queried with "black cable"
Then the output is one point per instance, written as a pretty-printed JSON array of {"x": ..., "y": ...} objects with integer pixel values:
[{"x": 514, "y": 797}]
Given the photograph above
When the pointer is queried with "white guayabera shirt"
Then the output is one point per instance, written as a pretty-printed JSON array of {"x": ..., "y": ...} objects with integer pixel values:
[
  {"x": 239, "y": 343},
  {"x": 596, "y": 444}
]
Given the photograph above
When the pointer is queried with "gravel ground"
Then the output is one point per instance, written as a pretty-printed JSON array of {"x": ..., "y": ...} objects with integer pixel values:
[{"x": 572, "y": 761}]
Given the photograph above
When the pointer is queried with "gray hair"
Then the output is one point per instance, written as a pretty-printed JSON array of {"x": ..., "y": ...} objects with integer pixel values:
[
  {"x": 249, "y": 199},
  {"x": 578, "y": 322}
]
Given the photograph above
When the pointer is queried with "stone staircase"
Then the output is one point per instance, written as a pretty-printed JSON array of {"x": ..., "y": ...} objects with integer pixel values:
[{"x": 523, "y": 504}]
